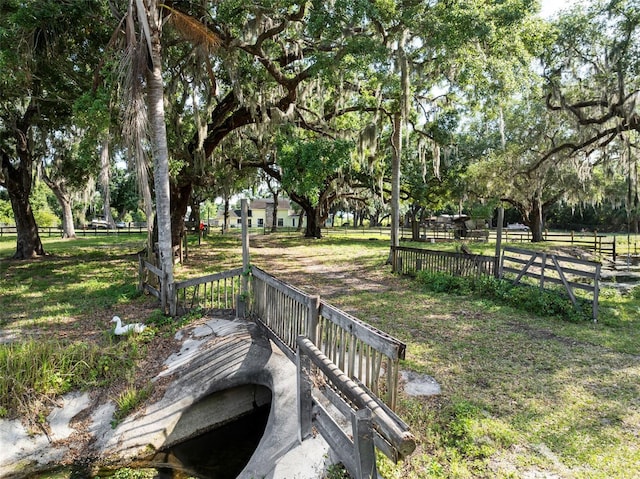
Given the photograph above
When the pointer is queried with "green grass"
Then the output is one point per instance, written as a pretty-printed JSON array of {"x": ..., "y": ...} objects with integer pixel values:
[{"x": 522, "y": 394}]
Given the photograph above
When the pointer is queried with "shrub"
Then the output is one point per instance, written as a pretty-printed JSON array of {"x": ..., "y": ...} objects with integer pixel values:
[
  {"x": 538, "y": 301},
  {"x": 34, "y": 371}
]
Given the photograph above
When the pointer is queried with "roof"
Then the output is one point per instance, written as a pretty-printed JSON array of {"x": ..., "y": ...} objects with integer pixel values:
[{"x": 261, "y": 203}]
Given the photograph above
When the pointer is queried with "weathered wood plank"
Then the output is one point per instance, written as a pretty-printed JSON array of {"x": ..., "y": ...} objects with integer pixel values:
[
  {"x": 402, "y": 440},
  {"x": 383, "y": 342},
  {"x": 209, "y": 278}
]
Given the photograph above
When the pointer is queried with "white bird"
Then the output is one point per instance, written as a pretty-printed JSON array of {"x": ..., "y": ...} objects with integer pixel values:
[{"x": 127, "y": 328}]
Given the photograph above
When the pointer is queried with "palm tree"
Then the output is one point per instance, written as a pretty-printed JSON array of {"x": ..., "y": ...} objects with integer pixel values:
[{"x": 143, "y": 59}]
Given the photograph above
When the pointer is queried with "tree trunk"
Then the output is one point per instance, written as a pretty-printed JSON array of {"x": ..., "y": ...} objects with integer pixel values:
[
  {"x": 105, "y": 174},
  {"x": 300, "y": 220},
  {"x": 180, "y": 198},
  {"x": 17, "y": 181},
  {"x": 160, "y": 153},
  {"x": 64, "y": 200},
  {"x": 535, "y": 221},
  {"x": 28, "y": 243},
  {"x": 313, "y": 229},
  {"x": 396, "y": 144},
  {"x": 225, "y": 221},
  {"x": 415, "y": 223}
]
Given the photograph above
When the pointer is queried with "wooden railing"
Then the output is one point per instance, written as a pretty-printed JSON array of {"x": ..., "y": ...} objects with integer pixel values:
[
  {"x": 412, "y": 260},
  {"x": 285, "y": 311},
  {"x": 598, "y": 243},
  {"x": 214, "y": 291},
  {"x": 152, "y": 280},
  {"x": 364, "y": 352},
  {"x": 348, "y": 357},
  {"x": 361, "y": 350},
  {"x": 373, "y": 425},
  {"x": 550, "y": 269}
]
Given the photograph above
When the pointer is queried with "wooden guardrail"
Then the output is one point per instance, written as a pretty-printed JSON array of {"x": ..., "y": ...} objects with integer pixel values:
[
  {"x": 286, "y": 312},
  {"x": 218, "y": 290},
  {"x": 373, "y": 425},
  {"x": 598, "y": 243},
  {"x": 412, "y": 260},
  {"x": 544, "y": 268},
  {"x": 361, "y": 351},
  {"x": 152, "y": 280},
  {"x": 309, "y": 331}
]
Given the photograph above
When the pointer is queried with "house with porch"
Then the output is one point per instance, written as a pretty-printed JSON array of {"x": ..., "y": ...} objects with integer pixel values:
[{"x": 261, "y": 214}]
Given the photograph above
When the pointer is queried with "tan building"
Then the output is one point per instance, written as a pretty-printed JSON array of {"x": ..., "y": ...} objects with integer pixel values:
[{"x": 261, "y": 215}]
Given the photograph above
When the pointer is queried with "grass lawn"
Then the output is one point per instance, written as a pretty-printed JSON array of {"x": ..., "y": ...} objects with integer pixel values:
[{"x": 522, "y": 395}]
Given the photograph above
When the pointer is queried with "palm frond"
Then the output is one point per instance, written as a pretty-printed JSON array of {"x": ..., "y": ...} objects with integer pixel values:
[{"x": 192, "y": 29}]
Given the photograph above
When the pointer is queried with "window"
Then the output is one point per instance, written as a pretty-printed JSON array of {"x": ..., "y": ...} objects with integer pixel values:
[
  {"x": 249, "y": 222},
  {"x": 260, "y": 222},
  {"x": 280, "y": 222}
]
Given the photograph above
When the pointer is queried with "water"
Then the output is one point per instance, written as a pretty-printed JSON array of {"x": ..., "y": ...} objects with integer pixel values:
[{"x": 218, "y": 454}]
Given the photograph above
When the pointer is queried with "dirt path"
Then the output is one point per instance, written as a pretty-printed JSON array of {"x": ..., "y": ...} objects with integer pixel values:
[{"x": 317, "y": 273}]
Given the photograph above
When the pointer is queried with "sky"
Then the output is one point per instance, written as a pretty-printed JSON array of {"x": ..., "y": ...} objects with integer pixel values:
[{"x": 549, "y": 7}]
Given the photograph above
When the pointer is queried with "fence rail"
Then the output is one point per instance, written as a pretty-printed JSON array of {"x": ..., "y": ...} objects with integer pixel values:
[
  {"x": 372, "y": 423},
  {"x": 412, "y": 260},
  {"x": 50, "y": 231},
  {"x": 544, "y": 268}
]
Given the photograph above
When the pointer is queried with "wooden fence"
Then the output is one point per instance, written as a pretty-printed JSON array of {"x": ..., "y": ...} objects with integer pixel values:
[
  {"x": 373, "y": 425},
  {"x": 214, "y": 291},
  {"x": 50, "y": 231},
  {"x": 286, "y": 312},
  {"x": 598, "y": 243},
  {"x": 544, "y": 268},
  {"x": 152, "y": 280},
  {"x": 412, "y": 260}
]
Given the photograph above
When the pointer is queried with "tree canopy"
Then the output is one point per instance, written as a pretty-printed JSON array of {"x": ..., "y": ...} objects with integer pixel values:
[{"x": 320, "y": 96}]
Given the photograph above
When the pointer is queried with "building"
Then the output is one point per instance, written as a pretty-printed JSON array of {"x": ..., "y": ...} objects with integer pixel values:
[{"x": 261, "y": 215}]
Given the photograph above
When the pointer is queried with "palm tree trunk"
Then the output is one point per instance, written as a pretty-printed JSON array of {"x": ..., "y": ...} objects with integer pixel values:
[{"x": 160, "y": 156}]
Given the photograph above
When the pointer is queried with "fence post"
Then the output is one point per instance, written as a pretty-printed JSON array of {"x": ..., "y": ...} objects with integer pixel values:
[
  {"x": 172, "y": 295},
  {"x": 364, "y": 451},
  {"x": 498, "y": 241},
  {"x": 163, "y": 291},
  {"x": 313, "y": 314},
  {"x": 140, "y": 273},
  {"x": 245, "y": 245},
  {"x": 305, "y": 402},
  {"x": 596, "y": 293}
]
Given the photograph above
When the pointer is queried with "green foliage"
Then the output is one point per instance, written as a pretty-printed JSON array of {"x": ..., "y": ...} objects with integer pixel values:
[
  {"x": 6, "y": 213},
  {"x": 128, "y": 400},
  {"x": 40, "y": 201},
  {"x": 444, "y": 283},
  {"x": 336, "y": 471},
  {"x": 538, "y": 301},
  {"x": 309, "y": 164},
  {"x": 34, "y": 371},
  {"x": 128, "y": 473}
]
